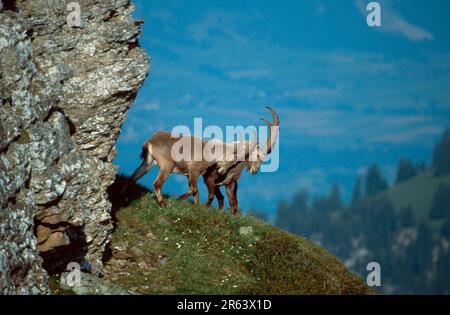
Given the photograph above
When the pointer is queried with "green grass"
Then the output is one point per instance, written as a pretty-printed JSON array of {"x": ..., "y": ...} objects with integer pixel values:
[
  {"x": 417, "y": 192},
  {"x": 189, "y": 250}
]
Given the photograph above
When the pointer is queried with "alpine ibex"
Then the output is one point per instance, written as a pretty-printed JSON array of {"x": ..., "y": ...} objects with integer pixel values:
[
  {"x": 174, "y": 154},
  {"x": 187, "y": 155},
  {"x": 214, "y": 179}
]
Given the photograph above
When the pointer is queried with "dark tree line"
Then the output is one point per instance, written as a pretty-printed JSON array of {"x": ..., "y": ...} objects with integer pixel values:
[
  {"x": 402, "y": 242},
  {"x": 441, "y": 202},
  {"x": 441, "y": 155}
]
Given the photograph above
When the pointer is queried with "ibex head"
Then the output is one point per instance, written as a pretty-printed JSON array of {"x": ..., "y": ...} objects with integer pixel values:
[{"x": 258, "y": 154}]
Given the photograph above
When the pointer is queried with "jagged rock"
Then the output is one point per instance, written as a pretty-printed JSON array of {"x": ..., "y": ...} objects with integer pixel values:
[
  {"x": 54, "y": 240},
  {"x": 43, "y": 232},
  {"x": 64, "y": 92}
]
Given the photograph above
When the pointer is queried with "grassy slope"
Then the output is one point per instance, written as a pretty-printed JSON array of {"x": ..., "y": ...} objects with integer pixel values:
[
  {"x": 190, "y": 250},
  {"x": 417, "y": 192}
]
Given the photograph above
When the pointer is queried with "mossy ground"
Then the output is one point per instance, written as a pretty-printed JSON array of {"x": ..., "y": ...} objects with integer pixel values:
[{"x": 188, "y": 250}]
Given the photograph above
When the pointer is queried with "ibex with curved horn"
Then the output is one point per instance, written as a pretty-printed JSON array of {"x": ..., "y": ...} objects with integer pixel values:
[
  {"x": 220, "y": 170},
  {"x": 175, "y": 154}
]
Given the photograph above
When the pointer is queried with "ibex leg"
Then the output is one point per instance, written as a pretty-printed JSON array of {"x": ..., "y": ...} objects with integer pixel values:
[
  {"x": 158, "y": 183},
  {"x": 209, "y": 182},
  {"x": 193, "y": 178},
  {"x": 219, "y": 196},
  {"x": 232, "y": 196}
]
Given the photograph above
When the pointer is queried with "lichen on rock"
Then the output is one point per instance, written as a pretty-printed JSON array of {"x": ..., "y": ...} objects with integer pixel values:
[{"x": 64, "y": 92}]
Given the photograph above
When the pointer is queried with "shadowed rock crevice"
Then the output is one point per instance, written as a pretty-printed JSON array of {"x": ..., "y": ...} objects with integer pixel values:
[
  {"x": 64, "y": 92},
  {"x": 9, "y": 5}
]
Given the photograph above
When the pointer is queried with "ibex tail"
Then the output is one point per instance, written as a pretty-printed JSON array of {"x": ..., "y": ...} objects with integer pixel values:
[{"x": 144, "y": 168}]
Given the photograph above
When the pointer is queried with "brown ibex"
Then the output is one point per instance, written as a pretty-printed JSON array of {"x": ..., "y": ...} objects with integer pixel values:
[
  {"x": 214, "y": 179},
  {"x": 223, "y": 168},
  {"x": 189, "y": 160}
]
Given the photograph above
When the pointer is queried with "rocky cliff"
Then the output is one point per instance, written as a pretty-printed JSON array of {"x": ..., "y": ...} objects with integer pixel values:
[{"x": 64, "y": 92}]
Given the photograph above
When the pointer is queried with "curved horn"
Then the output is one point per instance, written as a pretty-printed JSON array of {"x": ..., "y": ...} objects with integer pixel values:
[
  {"x": 273, "y": 130},
  {"x": 268, "y": 123},
  {"x": 276, "y": 121}
]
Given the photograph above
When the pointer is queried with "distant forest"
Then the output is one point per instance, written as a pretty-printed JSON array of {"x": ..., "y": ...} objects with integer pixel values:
[{"x": 405, "y": 227}]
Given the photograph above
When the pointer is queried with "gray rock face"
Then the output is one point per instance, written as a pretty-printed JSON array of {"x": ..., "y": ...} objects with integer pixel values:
[{"x": 64, "y": 92}]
